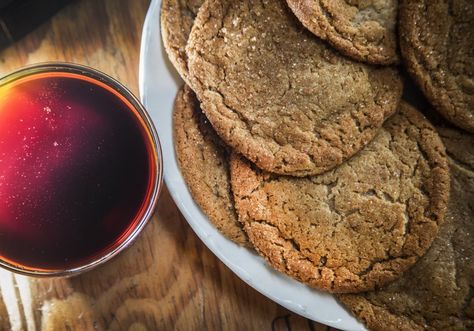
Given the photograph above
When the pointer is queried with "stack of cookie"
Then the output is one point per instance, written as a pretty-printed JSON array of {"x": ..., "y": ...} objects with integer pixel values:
[{"x": 293, "y": 139}]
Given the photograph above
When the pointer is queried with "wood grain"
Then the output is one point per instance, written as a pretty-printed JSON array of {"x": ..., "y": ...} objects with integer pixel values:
[{"x": 167, "y": 280}]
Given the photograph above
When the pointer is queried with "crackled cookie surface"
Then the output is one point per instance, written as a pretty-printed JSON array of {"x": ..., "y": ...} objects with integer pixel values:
[
  {"x": 177, "y": 18},
  {"x": 437, "y": 294},
  {"x": 279, "y": 95},
  {"x": 356, "y": 227},
  {"x": 203, "y": 160},
  {"x": 364, "y": 30},
  {"x": 436, "y": 40}
]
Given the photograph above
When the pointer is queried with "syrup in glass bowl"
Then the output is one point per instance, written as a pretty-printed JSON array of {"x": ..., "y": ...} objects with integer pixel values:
[{"x": 79, "y": 170}]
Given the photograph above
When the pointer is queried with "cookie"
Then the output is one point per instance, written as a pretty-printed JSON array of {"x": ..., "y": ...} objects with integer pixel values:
[
  {"x": 279, "y": 95},
  {"x": 177, "y": 18},
  {"x": 356, "y": 227},
  {"x": 364, "y": 30},
  {"x": 438, "y": 293},
  {"x": 437, "y": 45},
  {"x": 203, "y": 161}
]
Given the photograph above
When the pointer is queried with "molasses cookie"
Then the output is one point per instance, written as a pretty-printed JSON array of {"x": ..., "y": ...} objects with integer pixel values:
[
  {"x": 177, "y": 18},
  {"x": 438, "y": 293},
  {"x": 364, "y": 30},
  {"x": 279, "y": 95},
  {"x": 358, "y": 226},
  {"x": 203, "y": 161},
  {"x": 437, "y": 45}
]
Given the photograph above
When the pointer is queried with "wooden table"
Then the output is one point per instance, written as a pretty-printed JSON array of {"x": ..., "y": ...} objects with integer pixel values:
[{"x": 168, "y": 280}]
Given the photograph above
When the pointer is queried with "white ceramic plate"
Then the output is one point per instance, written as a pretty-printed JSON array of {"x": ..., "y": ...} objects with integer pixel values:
[{"x": 159, "y": 83}]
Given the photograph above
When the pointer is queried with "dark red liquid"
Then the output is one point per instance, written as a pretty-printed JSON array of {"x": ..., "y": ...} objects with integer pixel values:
[{"x": 76, "y": 169}]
